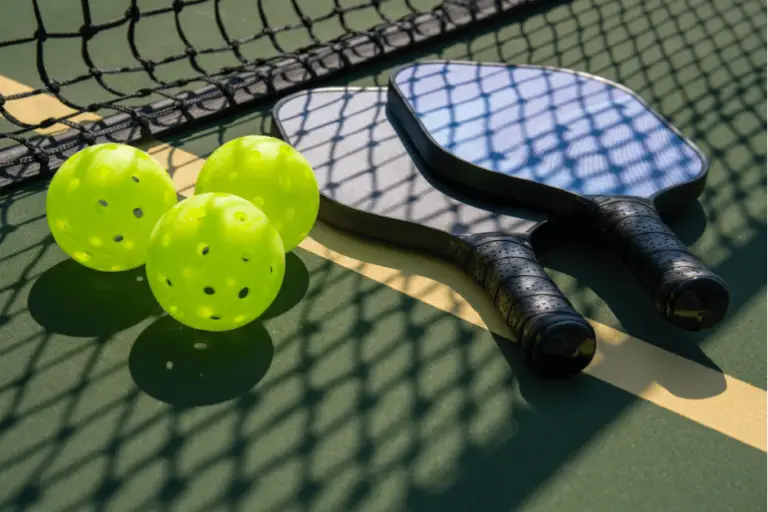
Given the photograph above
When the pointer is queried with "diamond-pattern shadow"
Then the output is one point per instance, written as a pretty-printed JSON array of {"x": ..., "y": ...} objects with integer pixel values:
[{"x": 373, "y": 400}]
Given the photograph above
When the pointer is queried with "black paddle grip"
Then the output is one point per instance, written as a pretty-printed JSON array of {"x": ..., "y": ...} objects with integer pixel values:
[
  {"x": 557, "y": 341},
  {"x": 685, "y": 291}
]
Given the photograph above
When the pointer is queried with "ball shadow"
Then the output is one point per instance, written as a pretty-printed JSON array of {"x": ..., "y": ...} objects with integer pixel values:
[
  {"x": 186, "y": 367},
  {"x": 295, "y": 285},
  {"x": 73, "y": 300}
]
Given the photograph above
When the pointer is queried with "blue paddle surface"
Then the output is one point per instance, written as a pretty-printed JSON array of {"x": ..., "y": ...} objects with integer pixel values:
[{"x": 556, "y": 127}]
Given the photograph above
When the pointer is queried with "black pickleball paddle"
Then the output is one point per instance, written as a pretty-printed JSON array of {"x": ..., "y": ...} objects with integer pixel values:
[
  {"x": 372, "y": 185},
  {"x": 570, "y": 144}
]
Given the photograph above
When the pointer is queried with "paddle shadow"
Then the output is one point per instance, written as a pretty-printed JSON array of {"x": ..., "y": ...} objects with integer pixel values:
[
  {"x": 596, "y": 266},
  {"x": 560, "y": 418},
  {"x": 186, "y": 367},
  {"x": 687, "y": 221}
]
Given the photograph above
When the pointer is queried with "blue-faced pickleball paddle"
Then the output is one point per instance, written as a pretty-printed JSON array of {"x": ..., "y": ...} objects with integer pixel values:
[
  {"x": 373, "y": 185},
  {"x": 570, "y": 144}
]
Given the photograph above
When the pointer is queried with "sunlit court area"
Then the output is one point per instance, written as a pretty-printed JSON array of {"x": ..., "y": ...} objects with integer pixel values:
[{"x": 379, "y": 357}]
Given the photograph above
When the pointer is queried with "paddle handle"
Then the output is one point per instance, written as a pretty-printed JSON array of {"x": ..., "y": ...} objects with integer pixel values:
[
  {"x": 685, "y": 291},
  {"x": 556, "y": 340}
]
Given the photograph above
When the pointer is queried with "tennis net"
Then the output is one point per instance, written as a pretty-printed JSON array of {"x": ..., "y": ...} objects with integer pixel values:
[{"x": 225, "y": 54}]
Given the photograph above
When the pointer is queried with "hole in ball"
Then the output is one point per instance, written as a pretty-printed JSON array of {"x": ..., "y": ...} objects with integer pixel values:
[
  {"x": 215, "y": 317},
  {"x": 243, "y": 293},
  {"x": 168, "y": 282},
  {"x": 204, "y": 250},
  {"x": 138, "y": 213},
  {"x": 246, "y": 257},
  {"x": 135, "y": 178},
  {"x": 118, "y": 238},
  {"x": 103, "y": 203},
  {"x": 208, "y": 290},
  {"x": 270, "y": 269},
  {"x": 241, "y": 216}
]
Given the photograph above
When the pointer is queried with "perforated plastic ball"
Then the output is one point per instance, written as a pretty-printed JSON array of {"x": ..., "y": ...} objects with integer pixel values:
[
  {"x": 273, "y": 176},
  {"x": 215, "y": 262},
  {"x": 103, "y": 203}
]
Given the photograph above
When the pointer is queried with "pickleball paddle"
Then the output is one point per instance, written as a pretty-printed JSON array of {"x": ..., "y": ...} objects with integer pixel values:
[
  {"x": 372, "y": 185},
  {"x": 570, "y": 144}
]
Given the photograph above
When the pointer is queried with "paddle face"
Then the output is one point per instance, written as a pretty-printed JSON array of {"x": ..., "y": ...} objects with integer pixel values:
[
  {"x": 373, "y": 184},
  {"x": 578, "y": 133},
  {"x": 361, "y": 163}
]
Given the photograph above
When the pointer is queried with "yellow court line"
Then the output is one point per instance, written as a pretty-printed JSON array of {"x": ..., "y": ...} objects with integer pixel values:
[
  {"x": 36, "y": 108},
  {"x": 736, "y": 409}
]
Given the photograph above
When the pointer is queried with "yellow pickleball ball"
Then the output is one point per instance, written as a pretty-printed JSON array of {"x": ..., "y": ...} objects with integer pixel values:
[
  {"x": 103, "y": 203},
  {"x": 271, "y": 174},
  {"x": 215, "y": 262}
]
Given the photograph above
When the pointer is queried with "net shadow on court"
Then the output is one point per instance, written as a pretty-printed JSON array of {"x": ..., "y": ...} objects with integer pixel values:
[{"x": 352, "y": 413}]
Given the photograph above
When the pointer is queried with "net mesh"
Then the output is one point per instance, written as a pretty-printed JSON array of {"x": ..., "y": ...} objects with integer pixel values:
[{"x": 227, "y": 53}]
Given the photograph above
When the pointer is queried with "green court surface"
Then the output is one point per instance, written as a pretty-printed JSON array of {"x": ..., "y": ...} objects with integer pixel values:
[{"x": 350, "y": 395}]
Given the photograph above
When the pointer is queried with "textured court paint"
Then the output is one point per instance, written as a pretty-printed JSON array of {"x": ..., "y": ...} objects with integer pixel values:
[
  {"x": 561, "y": 129},
  {"x": 622, "y": 360},
  {"x": 697, "y": 62},
  {"x": 368, "y": 389},
  {"x": 743, "y": 406}
]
